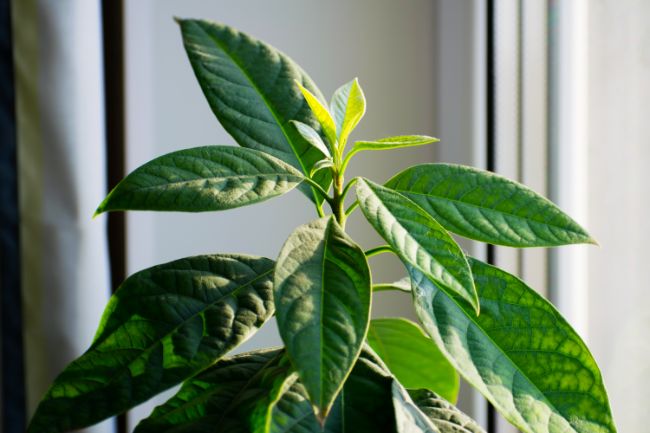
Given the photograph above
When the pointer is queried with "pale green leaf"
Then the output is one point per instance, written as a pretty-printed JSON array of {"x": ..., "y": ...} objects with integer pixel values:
[
  {"x": 348, "y": 106},
  {"x": 312, "y": 137},
  {"x": 320, "y": 112},
  {"x": 412, "y": 357},
  {"x": 393, "y": 142},
  {"x": 250, "y": 87},
  {"x": 484, "y": 206},
  {"x": 322, "y": 296},
  {"x": 446, "y": 417},
  {"x": 320, "y": 165},
  {"x": 519, "y": 353},
  {"x": 203, "y": 179},
  {"x": 408, "y": 417},
  {"x": 163, "y": 325},
  {"x": 417, "y": 238}
]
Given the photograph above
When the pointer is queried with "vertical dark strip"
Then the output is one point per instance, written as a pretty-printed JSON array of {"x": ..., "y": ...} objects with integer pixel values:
[
  {"x": 490, "y": 112},
  {"x": 13, "y": 410},
  {"x": 113, "y": 39}
]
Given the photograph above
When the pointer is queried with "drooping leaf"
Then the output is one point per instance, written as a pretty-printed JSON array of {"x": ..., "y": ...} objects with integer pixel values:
[
  {"x": 417, "y": 238},
  {"x": 322, "y": 297},
  {"x": 519, "y": 353},
  {"x": 445, "y": 416},
  {"x": 403, "y": 285},
  {"x": 203, "y": 179},
  {"x": 348, "y": 106},
  {"x": 312, "y": 137},
  {"x": 484, "y": 206},
  {"x": 222, "y": 398},
  {"x": 250, "y": 87},
  {"x": 412, "y": 357},
  {"x": 163, "y": 325},
  {"x": 408, "y": 417},
  {"x": 394, "y": 142},
  {"x": 320, "y": 112}
]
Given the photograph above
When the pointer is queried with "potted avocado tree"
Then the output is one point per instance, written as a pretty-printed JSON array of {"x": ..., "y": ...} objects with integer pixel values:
[{"x": 339, "y": 371}]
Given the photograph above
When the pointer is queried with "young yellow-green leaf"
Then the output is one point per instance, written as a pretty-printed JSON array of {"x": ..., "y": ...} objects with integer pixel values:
[
  {"x": 163, "y": 325},
  {"x": 203, "y": 179},
  {"x": 312, "y": 137},
  {"x": 394, "y": 142},
  {"x": 486, "y": 207},
  {"x": 412, "y": 357},
  {"x": 348, "y": 106},
  {"x": 222, "y": 398},
  {"x": 322, "y": 296},
  {"x": 417, "y": 238},
  {"x": 250, "y": 87},
  {"x": 320, "y": 112},
  {"x": 519, "y": 353},
  {"x": 408, "y": 417},
  {"x": 445, "y": 416}
]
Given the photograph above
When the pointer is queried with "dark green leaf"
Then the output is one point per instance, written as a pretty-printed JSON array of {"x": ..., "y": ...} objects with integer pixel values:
[
  {"x": 163, "y": 325},
  {"x": 417, "y": 238},
  {"x": 203, "y": 179},
  {"x": 322, "y": 296},
  {"x": 412, "y": 357},
  {"x": 393, "y": 142},
  {"x": 445, "y": 416},
  {"x": 408, "y": 417},
  {"x": 348, "y": 106},
  {"x": 519, "y": 353},
  {"x": 484, "y": 206},
  {"x": 250, "y": 86}
]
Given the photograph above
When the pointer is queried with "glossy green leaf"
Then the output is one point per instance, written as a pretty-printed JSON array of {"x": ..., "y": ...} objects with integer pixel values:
[
  {"x": 348, "y": 106},
  {"x": 519, "y": 353},
  {"x": 203, "y": 179},
  {"x": 250, "y": 87},
  {"x": 408, "y": 417},
  {"x": 417, "y": 238},
  {"x": 484, "y": 206},
  {"x": 312, "y": 137},
  {"x": 322, "y": 297},
  {"x": 320, "y": 112},
  {"x": 163, "y": 325},
  {"x": 412, "y": 357},
  {"x": 394, "y": 142},
  {"x": 445, "y": 416},
  {"x": 222, "y": 398},
  {"x": 403, "y": 285}
]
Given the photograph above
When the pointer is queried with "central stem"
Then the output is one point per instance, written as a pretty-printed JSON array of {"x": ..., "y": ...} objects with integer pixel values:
[{"x": 338, "y": 205}]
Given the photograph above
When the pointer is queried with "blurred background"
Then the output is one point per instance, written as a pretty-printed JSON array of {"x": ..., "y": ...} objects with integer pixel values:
[{"x": 554, "y": 94}]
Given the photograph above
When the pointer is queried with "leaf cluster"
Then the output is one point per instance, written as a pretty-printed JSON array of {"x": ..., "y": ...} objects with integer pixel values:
[{"x": 339, "y": 371}]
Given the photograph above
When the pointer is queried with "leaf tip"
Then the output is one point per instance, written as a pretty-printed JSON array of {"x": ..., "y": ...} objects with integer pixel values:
[{"x": 177, "y": 20}]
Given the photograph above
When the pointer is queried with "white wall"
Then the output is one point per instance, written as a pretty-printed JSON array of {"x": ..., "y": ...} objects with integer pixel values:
[{"x": 389, "y": 45}]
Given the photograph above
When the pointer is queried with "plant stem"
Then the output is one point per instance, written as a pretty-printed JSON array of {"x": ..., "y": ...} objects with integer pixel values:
[
  {"x": 338, "y": 201},
  {"x": 352, "y": 207},
  {"x": 378, "y": 250}
]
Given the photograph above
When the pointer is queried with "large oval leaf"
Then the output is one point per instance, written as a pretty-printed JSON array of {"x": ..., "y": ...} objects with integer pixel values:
[
  {"x": 322, "y": 297},
  {"x": 162, "y": 326},
  {"x": 412, "y": 357},
  {"x": 446, "y": 417},
  {"x": 519, "y": 353},
  {"x": 484, "y": 206},
  {"x": 203, "y": 179},
  {"x": 221, "y": 398},
  {"x": 417, "y": 238},
  {"x": 250, "y": 86}
]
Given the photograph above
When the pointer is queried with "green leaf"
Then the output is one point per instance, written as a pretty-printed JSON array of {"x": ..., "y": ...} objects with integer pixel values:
[
  {"x": 348, "y": 106},
  {"x": 323, "y": 163},
  {"x": 486, "y": 207},
  {"x": 412, "y": 357},
  {"x": 163, "y": 325},
  {"x": 322, "y": 296},
  {"x": 445, "y": 416},
  {"x": 403, "y": 285},
  {"x": 393, "y": 142},
  {"x": 519, "y": 353},
  {"x": 320, "y": 112},
  {"x": 250, "y": 88},
  {"x": 203, "y": 179},
  {"x": 312, "y": 137},
  {"x": 222, "y": 397},
  {"x": 417, "y": 238},
  {"x": 408, "y": 417}
]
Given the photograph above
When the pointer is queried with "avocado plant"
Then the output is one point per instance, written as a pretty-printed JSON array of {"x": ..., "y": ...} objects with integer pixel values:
[{"x": 339, "y": 370}]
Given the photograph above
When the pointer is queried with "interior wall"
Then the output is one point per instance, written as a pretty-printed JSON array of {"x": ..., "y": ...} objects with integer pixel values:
[{"x": 619, "y": 203}]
